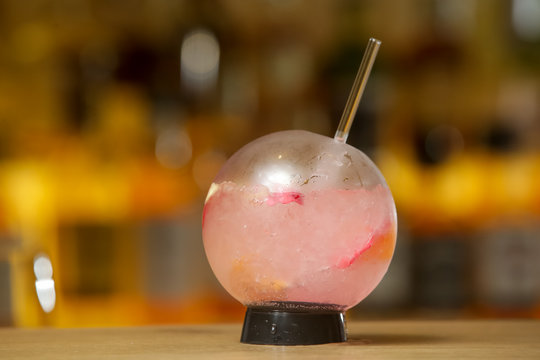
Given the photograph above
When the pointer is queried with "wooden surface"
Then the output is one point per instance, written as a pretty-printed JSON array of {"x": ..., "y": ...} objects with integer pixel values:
[{"x": 368, "y": 340}]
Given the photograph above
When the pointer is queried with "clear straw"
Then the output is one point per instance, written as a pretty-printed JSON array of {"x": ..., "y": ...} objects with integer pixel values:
[{"x": 357, "y": 90}]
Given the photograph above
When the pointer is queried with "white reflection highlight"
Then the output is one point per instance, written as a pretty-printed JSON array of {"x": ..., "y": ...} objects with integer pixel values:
[
  {"x": 199, "y": 59},
  {"x": 44, "y": 283},
  {"x": 277, "y": 177}
]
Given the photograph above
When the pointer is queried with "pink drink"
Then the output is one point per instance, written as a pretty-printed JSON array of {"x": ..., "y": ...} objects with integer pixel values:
[{"x": 325, "y": 246}]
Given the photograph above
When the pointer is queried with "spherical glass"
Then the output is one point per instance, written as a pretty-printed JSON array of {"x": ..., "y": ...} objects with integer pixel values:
[{"x": 299, "y": 218}]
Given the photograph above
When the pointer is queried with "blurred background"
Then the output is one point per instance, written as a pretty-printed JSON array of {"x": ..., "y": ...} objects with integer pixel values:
[{"x": 116, "y": 115}]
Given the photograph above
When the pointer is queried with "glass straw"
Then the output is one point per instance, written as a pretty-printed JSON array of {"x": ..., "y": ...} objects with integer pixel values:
[{"x": 357, "y": 90}]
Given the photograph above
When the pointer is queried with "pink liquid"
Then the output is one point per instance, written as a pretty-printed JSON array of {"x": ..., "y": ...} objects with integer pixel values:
[{"x": 327, "y": 246}]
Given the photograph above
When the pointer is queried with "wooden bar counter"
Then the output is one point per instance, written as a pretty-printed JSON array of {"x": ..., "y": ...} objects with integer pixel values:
[{"x": 508, "y": 339}]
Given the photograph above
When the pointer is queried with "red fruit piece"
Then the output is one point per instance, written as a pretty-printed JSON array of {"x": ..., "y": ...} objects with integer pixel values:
[
  {"x": 285, "y": 198},
  {"x": 347, "y": 261}
]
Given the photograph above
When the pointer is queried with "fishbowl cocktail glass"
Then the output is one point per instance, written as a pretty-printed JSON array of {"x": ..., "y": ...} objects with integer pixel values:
[{"x": 299, "y": 222}]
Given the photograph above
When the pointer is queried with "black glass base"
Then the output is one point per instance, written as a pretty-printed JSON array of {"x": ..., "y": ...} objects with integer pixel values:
[{"x": 291, "y": 323}]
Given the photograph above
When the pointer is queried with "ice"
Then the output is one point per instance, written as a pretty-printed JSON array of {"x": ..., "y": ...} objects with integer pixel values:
[{"x": 329, "y": 245}]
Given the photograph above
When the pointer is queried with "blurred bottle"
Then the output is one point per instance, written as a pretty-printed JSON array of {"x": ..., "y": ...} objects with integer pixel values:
[
  {"x": 441, "y": 273},
  {"x": 507, "y": 270}
]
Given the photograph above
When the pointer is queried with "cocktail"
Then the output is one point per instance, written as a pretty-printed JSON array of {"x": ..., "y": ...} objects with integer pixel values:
[{"x": 300, "y": 227}]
